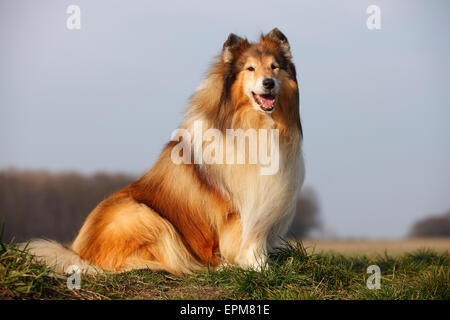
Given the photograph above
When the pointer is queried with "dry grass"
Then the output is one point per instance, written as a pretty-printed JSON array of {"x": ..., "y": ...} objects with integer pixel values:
[{"x": 374, "y": 247}]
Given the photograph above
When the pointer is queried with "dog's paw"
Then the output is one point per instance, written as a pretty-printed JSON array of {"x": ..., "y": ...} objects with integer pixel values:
[{"x": 258, "y": 264}]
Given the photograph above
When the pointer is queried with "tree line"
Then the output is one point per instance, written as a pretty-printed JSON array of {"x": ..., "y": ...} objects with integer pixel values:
[{"x": 54, "y": 205}]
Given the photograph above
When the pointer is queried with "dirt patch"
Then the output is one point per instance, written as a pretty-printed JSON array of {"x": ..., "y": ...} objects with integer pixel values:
[
  {"x": 6, "y": 294},
  {"x": 194, "y": 292}
]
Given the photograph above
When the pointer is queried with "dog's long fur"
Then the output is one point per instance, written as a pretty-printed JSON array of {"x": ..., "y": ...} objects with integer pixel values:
[{"x": 181, "y": 218}]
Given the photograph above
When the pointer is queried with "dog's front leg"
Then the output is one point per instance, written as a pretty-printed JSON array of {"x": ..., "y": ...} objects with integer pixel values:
[{"x": 253, "y": 255}]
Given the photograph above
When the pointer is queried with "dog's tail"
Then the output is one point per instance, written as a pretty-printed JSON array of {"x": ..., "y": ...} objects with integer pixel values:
[{"x": 53, "y": 254}]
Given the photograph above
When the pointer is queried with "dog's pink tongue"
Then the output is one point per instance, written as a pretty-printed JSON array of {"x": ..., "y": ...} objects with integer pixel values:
[{"x": 267, "y": 103}]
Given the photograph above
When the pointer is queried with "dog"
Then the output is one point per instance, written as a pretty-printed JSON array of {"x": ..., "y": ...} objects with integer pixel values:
[{"x": 184, "y": 217}]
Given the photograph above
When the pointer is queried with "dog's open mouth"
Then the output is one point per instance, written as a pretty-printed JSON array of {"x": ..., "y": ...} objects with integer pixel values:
[{"x": 265, "y": 101}]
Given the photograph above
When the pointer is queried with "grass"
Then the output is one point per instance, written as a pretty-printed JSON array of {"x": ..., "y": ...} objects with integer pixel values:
[{"x": 293, "y": 274}]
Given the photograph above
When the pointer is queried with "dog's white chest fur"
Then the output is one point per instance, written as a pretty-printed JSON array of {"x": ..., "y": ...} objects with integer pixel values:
[{"x": 266, "y": 203}]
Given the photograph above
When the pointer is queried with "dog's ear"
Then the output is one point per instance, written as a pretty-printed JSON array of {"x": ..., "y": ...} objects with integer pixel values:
[
  {"x": 277, "y": 36},
  {"x": 232, "y": 42}
]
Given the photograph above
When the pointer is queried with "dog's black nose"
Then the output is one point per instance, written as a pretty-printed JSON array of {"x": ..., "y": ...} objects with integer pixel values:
[{"x": 268, "y": 83}]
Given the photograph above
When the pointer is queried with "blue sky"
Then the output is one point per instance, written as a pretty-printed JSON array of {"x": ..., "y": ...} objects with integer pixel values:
[{"x": 374, "y": 103}]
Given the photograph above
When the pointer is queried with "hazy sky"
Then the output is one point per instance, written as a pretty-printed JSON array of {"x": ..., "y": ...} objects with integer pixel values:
[{"x": 374, "y": 103}]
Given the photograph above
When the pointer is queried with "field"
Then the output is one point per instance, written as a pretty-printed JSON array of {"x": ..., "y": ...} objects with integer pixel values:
[
  {"x": 376, "y": 247},
  {"x": 294, "y": 273}
]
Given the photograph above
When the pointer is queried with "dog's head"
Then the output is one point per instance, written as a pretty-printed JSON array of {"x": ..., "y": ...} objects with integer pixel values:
[{"x": 257, "y": 72}]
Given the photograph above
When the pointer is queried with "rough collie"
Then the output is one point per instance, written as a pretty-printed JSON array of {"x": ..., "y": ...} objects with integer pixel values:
[{"x": 184, "y": 216}]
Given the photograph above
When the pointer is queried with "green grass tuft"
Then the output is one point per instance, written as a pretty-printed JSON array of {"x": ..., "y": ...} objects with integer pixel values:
[{"x": 292, "y": 274}]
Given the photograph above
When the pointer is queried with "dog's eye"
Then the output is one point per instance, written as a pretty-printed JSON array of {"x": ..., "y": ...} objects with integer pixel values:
[
  {"x": 251, "y": 69},
  {"x": 274, "y": 67}
]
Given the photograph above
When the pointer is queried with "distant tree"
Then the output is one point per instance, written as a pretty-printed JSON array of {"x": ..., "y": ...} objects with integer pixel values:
[
  {"x": 306, "y": 216},
  {"x": 43, "y": 204},
  {"x": 433, "y": 226}
]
